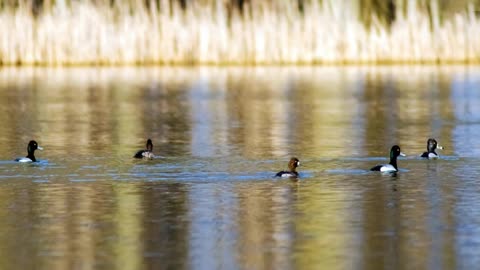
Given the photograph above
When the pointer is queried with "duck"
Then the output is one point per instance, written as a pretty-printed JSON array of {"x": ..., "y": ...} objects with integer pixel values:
[
  {"x": 32, "y": 146},
  {"x": 291, "y": 173},
  {"x": 147, "y": 153},
  {"x": 392, "y": 166},
  {"x": 431, "y": 146}
]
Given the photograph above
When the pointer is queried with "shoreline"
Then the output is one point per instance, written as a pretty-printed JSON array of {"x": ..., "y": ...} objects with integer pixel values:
[{"x": 85, "y": 34}]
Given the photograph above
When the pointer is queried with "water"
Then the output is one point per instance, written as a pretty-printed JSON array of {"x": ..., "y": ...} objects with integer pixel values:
[{"x": 209, "y": 200}]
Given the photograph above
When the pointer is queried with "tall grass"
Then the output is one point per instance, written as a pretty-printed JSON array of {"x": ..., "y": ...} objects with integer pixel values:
[{"x": 217, "y": 32}]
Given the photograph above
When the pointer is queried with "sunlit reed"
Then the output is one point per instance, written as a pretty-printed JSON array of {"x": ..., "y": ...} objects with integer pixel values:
[{"x": 214, "y": 32}]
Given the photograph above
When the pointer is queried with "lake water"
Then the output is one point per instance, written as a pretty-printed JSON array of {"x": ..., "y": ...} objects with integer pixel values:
[{"x": 209, "y": 201}]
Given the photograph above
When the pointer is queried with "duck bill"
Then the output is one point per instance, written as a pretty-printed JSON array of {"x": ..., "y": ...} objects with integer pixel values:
[
  {"x": 402, "y": 154},
  {"x": 440, "y": 147},
  {"x": 39, "y": 147}
]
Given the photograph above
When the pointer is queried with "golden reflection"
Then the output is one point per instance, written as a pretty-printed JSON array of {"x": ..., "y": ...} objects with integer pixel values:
[
  {"x": 83, "y": 240},
  {"x": 322, "y": 221},
  {"x": 207, "y": 116},
  {"x": 58, "y": 232},
  {"x": 279, "y": 111},
  {"x": 128, "y": 222},
  {"x": 261, "y": 228},
  {"x": 406, "y": 106}
]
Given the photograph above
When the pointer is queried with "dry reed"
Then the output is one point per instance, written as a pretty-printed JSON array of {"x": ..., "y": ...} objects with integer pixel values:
[{"x": 210, "y": 32}]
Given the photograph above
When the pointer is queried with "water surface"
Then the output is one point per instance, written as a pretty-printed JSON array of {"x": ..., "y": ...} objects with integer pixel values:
[{"x": 208, "y": 201}]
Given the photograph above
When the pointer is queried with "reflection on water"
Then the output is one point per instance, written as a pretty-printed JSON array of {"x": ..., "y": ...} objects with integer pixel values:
[{"x": 209, "y": 201}]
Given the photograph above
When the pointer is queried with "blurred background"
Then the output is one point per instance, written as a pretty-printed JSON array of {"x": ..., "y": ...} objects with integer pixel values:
[{"x": 238, "y": 32}]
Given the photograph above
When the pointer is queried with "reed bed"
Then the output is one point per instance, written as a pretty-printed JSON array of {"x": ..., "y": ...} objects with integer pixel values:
[{"x": 213, "y": 32}]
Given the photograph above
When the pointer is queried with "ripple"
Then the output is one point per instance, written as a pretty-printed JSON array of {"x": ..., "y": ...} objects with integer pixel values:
[{"x": 348, "y": 171}]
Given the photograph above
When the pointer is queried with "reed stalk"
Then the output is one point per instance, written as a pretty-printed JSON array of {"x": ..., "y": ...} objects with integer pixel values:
[{"x": 216, "y": 32}]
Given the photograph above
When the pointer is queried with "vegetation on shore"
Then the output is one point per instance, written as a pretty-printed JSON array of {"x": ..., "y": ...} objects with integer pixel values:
[{"x": 243, "y": 32}]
